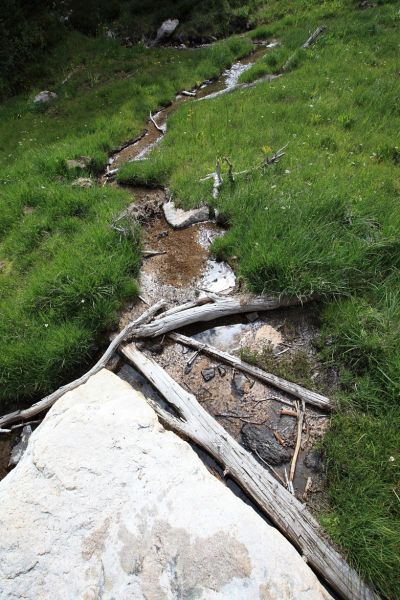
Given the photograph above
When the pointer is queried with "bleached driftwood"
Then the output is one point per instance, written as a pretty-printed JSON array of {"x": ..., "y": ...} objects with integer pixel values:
[
  {"x": 287, "y": 513},
  {"x": 298, "y": 391},
  {"x": 199, "y": 302},
  {"x": 218, "y": 181},
  {"x": 237, "y": 87},
  {"x": 300, "y": 418},
  {"x": 161, "y": 129},
  {"x": 48, "y": 401},
  {"x": 221, "y": 307},
  {"x": 309, "y": 42}
]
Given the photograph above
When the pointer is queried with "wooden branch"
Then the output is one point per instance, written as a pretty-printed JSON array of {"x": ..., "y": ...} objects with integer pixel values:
[
  {"x": 287, "y": 386},
  {"x": 160, "y": 129},
  {"x": 309, "y": 42},
  {"x": 287, "y": 513},
  {"x": 48, "y": 401},
  {"x": 150, "y": 253},
  {"x": 186, "y": 306},
  {"x": 300, "y": 418},
  {"x": 222, "y": 307},
  {"x": 218, "y": 181}
]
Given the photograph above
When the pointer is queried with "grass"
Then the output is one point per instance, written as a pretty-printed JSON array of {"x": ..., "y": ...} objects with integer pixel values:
[
  {"x": 64, "y": 272},
  {"x": 325, "y": 220}
]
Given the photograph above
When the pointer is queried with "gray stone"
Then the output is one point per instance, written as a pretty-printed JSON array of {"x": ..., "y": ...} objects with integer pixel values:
[
  {"x": 45, "y": 97},
  {"x": 261, "y": 440},
  {"x": 166, "y": 29},
  {"x": 106, "y": 503},
  {"x": 315, "y": 461},
  {"x": 241, "y": 383},
  {"x": 178, "y": 218},
  {"x": 221, "y": 370},
  {"x": 208, "y": 373}
]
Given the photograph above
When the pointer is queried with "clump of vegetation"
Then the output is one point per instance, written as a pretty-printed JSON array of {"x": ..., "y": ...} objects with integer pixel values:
[
  {"x": 324, "y": 220},
  {"x": 296, "y": 367}
]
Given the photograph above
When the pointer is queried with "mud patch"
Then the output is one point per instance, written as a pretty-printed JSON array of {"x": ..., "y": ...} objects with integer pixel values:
[{"x": 257, "y": 405}]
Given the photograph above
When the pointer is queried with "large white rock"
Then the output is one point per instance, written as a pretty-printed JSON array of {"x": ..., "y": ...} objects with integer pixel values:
[
  {"x": 44, "y": 97},
  {"x": 107, "y": 504}
]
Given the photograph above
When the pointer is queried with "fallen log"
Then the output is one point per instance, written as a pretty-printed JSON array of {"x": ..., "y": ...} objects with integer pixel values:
[
  {"x": 187, "y": 305},
  {"x": 48, "y": 401},
  {"x": 160, "y": 129},
  {"x": 221, "y": 307},
  {"x": 234, "y": 361},
  {"x": 309, "y": 42},
  {"x": 285, "y": 511}
]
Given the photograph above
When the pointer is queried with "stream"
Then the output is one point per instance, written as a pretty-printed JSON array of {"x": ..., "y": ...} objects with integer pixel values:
[{"x": 249, "y": 410}]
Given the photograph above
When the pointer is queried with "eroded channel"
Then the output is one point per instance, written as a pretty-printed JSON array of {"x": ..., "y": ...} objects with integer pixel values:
[{"x": 178, "y": 267}]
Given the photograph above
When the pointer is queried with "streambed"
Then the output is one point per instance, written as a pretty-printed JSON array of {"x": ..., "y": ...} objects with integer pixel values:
[{"x": 182, "y": 269}]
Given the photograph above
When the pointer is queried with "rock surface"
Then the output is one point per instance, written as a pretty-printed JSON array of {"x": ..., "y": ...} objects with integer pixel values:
[
  {"x": 261, "y": 440},
  {"x": 44, "y": 97},
  {"x": 178, "y": 218},
  {"x": 166, "y": 29},
  {"x": 106, "y": 503},
  {"x": 83, "y": 162}
]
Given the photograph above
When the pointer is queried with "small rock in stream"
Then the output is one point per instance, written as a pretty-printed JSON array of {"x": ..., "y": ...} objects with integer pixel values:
[
  {"x": 261, "y": 440},
  {"x": 221, "y": 370},
  {"x": 208, "y": 373},
  {"x": 253, "y": 316},
  {"x": 315, "y": 461},
  {"x": 241, "y": 383}
]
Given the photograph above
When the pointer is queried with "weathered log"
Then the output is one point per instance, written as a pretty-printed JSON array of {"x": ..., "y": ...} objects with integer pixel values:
[
  {"x": 309, "y": 42},
  {"x": 48, "y": 401},
  {"x": 199, "y": 302},
  {"x": 222, "y": 307},
  {"x": 158, "y": 127},
  {"x": 287, "y": 513},
  {"x": 218, "y": 181},
  {"x": 234, "y": 361}
]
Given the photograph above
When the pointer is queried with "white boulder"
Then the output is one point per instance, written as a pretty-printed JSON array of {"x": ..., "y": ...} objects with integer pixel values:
[
  {"x": 166, "y": 29},
  {"x": 45, "y": 97},
  {"x": 106, "y": 503},
  {"x": 179, "y": 218}
]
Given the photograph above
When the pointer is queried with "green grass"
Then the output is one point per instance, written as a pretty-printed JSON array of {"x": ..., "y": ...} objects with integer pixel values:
[
  {"x": 325, "y": 220},
  {"x": 64, "y": 272}
]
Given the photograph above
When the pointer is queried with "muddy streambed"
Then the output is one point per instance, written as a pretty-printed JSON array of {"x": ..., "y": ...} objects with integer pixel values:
[{"x": 183, "y": 268}]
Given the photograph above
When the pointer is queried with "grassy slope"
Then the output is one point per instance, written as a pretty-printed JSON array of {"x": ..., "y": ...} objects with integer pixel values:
[
  {"x": 326, "y": 219},
  {"x": 64, "y": 273}
]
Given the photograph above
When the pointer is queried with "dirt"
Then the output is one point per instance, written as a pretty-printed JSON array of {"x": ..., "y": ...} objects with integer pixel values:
[{"x": 259, "y": 405}]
